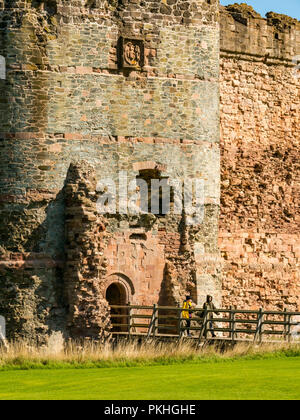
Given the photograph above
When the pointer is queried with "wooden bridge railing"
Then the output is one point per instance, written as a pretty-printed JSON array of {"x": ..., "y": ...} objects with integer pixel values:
[{"x": 240, "y": 324}]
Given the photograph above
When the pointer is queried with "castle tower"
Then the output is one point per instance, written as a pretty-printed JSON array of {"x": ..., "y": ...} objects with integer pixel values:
[{"x": 95, "y": 89}]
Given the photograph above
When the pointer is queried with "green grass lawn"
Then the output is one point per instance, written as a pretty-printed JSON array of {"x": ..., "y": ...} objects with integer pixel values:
[{"x": 242, "y": 379}]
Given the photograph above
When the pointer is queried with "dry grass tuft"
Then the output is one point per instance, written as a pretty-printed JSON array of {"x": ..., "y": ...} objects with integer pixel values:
[{"x": 23, "y": 355}]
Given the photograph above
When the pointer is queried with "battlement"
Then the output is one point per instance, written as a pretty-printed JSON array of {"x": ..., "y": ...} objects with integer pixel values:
[{"x": 244, "y": 31}]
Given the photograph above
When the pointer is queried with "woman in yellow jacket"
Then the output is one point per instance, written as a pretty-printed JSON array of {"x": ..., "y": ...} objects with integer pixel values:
[{"x": 187, "y": 314}]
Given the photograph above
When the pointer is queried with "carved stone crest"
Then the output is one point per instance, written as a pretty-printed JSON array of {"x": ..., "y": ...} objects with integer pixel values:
[{"x": 132, "y": 53}]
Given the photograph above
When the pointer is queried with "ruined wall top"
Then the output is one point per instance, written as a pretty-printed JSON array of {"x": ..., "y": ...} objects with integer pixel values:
[
  {"x": 178, "y": 11},
  {"x": 245, "y": 31}
]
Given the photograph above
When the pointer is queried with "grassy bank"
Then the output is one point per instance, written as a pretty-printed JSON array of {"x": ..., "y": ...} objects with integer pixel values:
[{"x": 22, "y": 356}]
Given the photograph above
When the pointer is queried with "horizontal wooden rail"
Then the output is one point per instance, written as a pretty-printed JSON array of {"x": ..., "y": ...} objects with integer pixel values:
[{"x": 159, "y": 319}]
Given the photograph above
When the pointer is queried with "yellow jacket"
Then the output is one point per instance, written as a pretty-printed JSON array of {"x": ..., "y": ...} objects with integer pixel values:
[{"x": 186, "y": 305}]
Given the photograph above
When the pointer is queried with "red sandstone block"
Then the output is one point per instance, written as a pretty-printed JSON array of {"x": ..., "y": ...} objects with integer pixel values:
[
  {"x": 148, "y": 140},
  {"x": 73, "y": 136},
  {"x": 83, "y": 70},
  {"x": 144, "y": 165}
]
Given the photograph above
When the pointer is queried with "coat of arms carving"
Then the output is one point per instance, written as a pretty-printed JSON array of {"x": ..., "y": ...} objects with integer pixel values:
[{"x": 132, "y": 53}]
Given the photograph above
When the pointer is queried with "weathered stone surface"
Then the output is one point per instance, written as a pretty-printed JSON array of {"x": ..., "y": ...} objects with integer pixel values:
[
  {"x": 69, "y": 98},
  {"x": 71, "y": 114},
  {"x": 259, "y": 224},
  {"x": 85, "y": 268},
  {"x": 269, "y": 40}
]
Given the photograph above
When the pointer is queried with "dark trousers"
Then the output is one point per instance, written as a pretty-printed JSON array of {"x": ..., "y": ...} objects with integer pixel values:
[
  {"x": 211, "y": 327},
  {"x": 188, "y": 326}
]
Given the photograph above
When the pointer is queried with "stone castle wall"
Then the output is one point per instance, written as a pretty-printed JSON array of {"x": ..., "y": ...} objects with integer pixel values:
[
  {"x": 75, "y": 108},
  {"x": 73, "y": 94},
  {"x": 259, "y": 224}
]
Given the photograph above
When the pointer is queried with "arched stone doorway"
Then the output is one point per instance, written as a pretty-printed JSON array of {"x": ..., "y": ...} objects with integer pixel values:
[
  {"x": 116, "y": 294},
  {"x": 119, "y": 291}
]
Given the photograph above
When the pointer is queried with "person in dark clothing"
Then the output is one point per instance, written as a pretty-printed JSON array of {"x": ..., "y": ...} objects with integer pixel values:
[{"x": 210, "y": 316}]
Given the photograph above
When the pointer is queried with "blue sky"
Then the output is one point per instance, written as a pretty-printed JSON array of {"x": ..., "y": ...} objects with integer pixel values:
[{"x": 287, "y": 7}]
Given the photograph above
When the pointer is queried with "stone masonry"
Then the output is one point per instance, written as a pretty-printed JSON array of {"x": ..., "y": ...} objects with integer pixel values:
[
  {"x": 259, "y": 234},
  {"x": 94, "y": 88},
  {"x": 102, "y": 87}
]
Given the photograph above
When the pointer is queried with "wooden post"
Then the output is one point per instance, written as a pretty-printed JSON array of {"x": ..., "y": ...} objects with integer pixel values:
[
  {"x": 203, "y": 332},
  {"x": 178, "y": 320},
  {"x": 206, "y": 323},
  {"x": 155, "y": 320},
  {"x": 151, "y": 324},
  {"x": 232, "y": 317},
  {"x": 181, "y": 325},
  {"x": 285, "y": 320},
  {"x": 289, "y": 328},
  {"x": 261, "y": 330},
  {"x": 258, "y": 332},
  {"x": 129, "y": 322}
]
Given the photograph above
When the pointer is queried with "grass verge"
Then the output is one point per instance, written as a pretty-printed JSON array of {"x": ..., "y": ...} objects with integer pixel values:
[{"x": 22, "y": 356}]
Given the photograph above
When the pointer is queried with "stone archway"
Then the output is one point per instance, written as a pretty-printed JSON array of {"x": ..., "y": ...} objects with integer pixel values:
[
  {"x": 116, "y": 294},
  {"x": 118, "y": 291},
  {"x": 124, "y": 283}
]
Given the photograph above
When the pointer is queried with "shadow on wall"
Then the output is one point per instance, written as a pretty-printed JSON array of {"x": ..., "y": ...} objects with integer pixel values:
[
  {"x": 31, "y": 287},
  {"x": 166, "y": 295}
]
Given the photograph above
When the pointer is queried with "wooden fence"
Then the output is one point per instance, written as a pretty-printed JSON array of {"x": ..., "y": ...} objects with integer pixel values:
[{"x": 234, "y": 324}]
